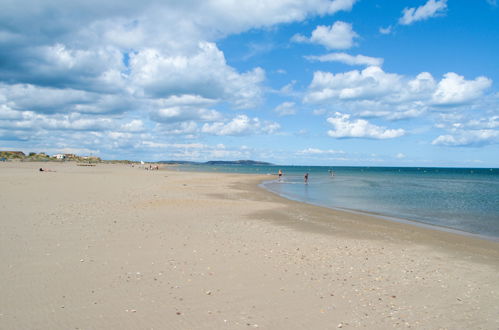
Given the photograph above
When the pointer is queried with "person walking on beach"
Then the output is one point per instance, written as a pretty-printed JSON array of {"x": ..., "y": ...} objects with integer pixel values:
[
  {"x": 280, "y": 174},
  {"x": 305, "y": 178}
]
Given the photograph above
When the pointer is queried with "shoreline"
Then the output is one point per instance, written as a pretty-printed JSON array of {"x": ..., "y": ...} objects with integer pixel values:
[
  {"x": 404, "y": 231},
  {"x": 116, "y": 247},
  {"x": 390, "y": 218}
]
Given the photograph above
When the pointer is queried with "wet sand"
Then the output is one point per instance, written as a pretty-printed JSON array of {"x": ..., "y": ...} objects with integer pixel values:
[{"x": 116, "y": 247}]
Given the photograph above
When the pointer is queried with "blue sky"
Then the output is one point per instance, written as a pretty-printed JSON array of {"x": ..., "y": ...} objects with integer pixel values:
[{"x": 317, "y": 82}]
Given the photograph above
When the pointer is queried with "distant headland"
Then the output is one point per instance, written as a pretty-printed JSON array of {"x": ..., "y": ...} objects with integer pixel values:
[
  {"x": 43, "y": 157},
  {"x": 217, "y": 162}
]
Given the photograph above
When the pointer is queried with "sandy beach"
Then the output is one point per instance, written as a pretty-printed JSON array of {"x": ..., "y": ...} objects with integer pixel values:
[{"x": 119, "y": 247}]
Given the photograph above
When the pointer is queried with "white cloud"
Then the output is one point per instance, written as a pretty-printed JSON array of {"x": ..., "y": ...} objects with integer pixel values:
[
  {"x": 7, "y": 113},
  {"x": 54, "y": 100},
  {"x": 386, "y": 30},
  {"x": 315, "y": 151},
  {"x": 396, "y": 114},
  {"x": 486, "y": 123},
  {"x": 423, "y": 83},
  {"x": 400, "y": 155},
  {"x": 454, "y": 89},
  {"x": 72, "y": 122},
  {"x": 125, "y": 56},
  {"x": 340, "y": 35},
  {"x": 470, "y": 130},
  {"x": 199, "y": 151},
  {"x": 204, "y": 73},
  {"x": 430, "y": 9},
  {"x": 286, "y": 109},
  {"x": 352, "y": 85},
  {"x": 184, "y": 108},
  {"x": 468, "y": 138},
  {"x": 360, "y": 128},
  {"x": 186, "y": 128},
  {"x": 347, "y": 59},
  {"x": 241, "y": 125},
  {"x": 371, "y": 92},
  {"x": 178, "y": 114},
  {"x": 136, "y": 125},
  {"x": 96, "y": 67},
  {"x": 319, "y": 112},
  {"x": 186, "y": 100}
]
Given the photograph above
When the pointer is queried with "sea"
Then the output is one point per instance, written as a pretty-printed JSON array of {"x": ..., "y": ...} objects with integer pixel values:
[{"x": 462, "y": 200}]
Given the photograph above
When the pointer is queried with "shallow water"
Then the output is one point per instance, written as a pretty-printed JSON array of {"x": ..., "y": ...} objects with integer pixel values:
[{"x": 464, "y": 199}]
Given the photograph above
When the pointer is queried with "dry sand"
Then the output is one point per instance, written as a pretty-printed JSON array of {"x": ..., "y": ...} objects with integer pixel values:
[{"x": 116, "y": 247}]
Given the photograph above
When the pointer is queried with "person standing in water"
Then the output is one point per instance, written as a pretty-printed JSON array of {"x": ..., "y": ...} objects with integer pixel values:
[
  {"x": 305, "y": 178},
  {"x": 280, "y": 174}
]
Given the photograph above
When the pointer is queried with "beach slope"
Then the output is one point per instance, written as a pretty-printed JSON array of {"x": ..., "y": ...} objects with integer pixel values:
[{"x": 116, "y": 247}]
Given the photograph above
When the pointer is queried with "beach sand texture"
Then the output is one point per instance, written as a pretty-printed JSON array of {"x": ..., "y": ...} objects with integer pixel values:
[{"x": 116, "y": 247}]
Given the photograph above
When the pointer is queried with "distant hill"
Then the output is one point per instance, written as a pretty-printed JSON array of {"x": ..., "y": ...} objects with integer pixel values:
[
  {"x": 216, "y": 162},
  {"x": 236, "y": 162},
  {"x": 177, "y": 162}
]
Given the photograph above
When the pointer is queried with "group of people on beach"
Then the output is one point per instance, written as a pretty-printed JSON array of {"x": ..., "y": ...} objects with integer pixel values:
[{"x": 305, "y": 177}]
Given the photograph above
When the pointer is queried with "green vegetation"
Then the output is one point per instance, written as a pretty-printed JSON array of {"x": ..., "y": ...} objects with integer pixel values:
[{"x": 43, "y": 157}]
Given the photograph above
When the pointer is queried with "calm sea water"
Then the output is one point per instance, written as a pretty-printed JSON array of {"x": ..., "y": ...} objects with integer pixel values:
[{"x": 464, "y": 199}]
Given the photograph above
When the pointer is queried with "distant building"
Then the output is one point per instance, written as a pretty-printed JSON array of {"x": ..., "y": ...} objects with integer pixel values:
[{"x": 70, "y": 156}]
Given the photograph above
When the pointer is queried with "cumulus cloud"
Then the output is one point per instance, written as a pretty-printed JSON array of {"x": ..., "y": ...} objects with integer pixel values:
[
  {"x": 199, "y": 151},
  {"x": 316, "y": 151},
  {"x": 204, "y": 73},
  {"x": 74, "y": 122},
  {"x": 340, "y": 35},
  {"x": 54, "y": 100},
  {"x": 372, "y": 92},
  {"x": 178, "y": 114},
  {"x": 370, "y": 82},
  {"x": 189, "y": 151},
  {"x": 286, "y": 109},
  {"x": 241, "y": 125},
  {"x": 454, "y": 89},
  {"x": 484, "y": 123},
  {"x": 347, "y": 59},
  {"x": 398, "y": 114},
  {"x": 184, "y": 108},
  {"x": 468, "y": 138},
  {"x": 117, "y": 57},
  {"x": 471, "y": 131},
  {"x": 136, "y": 125},
  {"x": 343, "y": 127},
  {"x": 430, "y": 9},
  {"x": 94, "y": 38}
]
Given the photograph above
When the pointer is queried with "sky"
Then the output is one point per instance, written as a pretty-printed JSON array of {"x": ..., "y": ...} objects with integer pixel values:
[{"x": 310, "y": 82}]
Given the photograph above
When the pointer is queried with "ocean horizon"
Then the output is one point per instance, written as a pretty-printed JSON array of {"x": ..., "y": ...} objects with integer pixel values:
[{"x": 464, "y": 200}]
